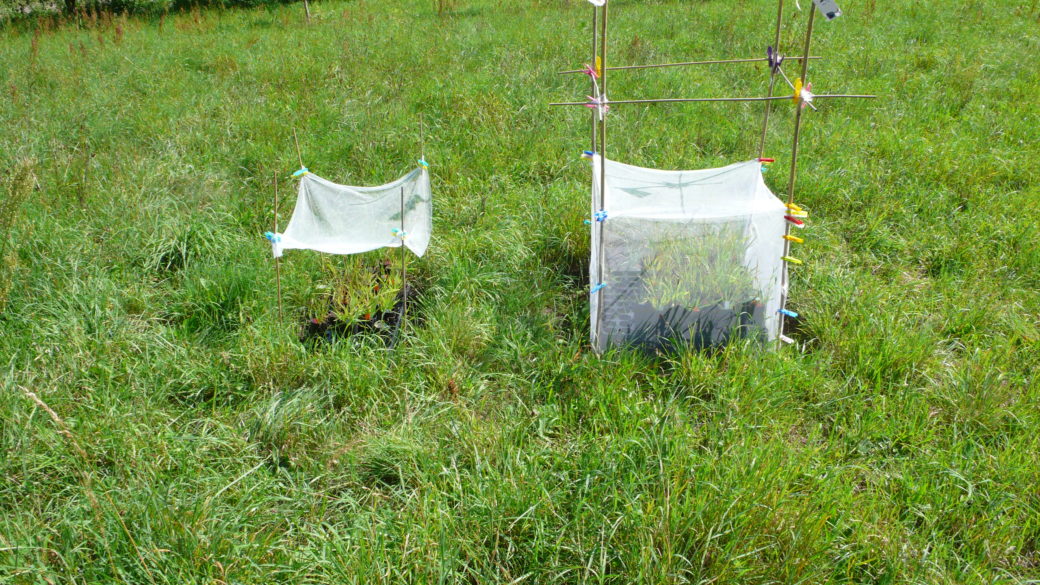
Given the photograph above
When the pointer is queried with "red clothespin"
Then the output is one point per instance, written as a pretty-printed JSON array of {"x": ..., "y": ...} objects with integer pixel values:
[{"x": 795, "y": 221}]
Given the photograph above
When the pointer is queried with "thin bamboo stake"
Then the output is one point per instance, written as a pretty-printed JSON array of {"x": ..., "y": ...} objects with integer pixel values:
[
  {"x": 737, "y": 99},
  {"x": 307, "y": 8},
  {"x": 277, "y": 263},
  {"x": 792, "y": 178},
  {"x": 602, "y": 167},
  {"x": 798, "y": 113},
  {"x": 595, "y": 13},
  {"x": 404, "y": 272},
  {"x": 297, "y": 142},
  {"x": 422, "y": 137},
  {"x": 772, "y": 79},
  {"x": 675, "y": 100},
  {"x": 681, "y": 64}
]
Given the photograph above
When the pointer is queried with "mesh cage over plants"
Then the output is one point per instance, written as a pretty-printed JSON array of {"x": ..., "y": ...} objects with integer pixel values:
[
  {"x": 684, "y": 257},
  {"x": 341, "y": 219}
]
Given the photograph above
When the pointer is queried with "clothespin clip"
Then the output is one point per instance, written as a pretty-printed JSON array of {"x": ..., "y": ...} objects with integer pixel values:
[
  {"x": 775, "y": 59},
  {"x": 600, "y": 215},
  {"x": 599, "y": 62},
  {"x": 793, "y": 207},
  {"x": 791, "y": 260},
  {"x": 794, "y": 239},
  {"x": 765, "y": 163},
  {"x": 273, "y": 237},
  {"x": 423, "y": 163},
  {"x": 303, "y": 171},
  {"x": 795, "y": 221},
  {"x": 597, "y": 288},
  {"x": 600, "y": 104},
  {"x": 591, "y": 71},
  {"x": 787, "y": 313},
  {"x": 802, "y": 95},
  {"x": 399, "y": 233},
  {"x": 587, "y": 154},
  {"x": 786, "y": 339},
  {"x": 587, "y": 222}
]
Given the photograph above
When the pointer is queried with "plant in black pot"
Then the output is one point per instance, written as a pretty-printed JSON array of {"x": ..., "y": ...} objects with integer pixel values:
[
  {"x": 364, "y": 296},
  {"x": 696, "y": 287}
]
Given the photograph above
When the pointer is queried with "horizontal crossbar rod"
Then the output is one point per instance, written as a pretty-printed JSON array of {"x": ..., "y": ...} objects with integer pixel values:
[
  {"x": 684, "y": 63},
  {"x": 737, "y": 99}
]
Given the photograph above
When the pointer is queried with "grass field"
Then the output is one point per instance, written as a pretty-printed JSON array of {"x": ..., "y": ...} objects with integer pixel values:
[{"x": 191, "y": 438}]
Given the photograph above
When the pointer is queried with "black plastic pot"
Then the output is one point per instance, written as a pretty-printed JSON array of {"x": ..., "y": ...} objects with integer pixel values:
[{"x": 701, "y": 328}]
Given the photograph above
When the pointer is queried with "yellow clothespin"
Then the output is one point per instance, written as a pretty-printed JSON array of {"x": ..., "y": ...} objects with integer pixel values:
[
  {"x": 794, "y": 239},
  {"x": 797, "y": 91},
  {"x": 793, "y": 207},
  {"x": 791, "y": 259},
  {"x": 599, "y": 67}
]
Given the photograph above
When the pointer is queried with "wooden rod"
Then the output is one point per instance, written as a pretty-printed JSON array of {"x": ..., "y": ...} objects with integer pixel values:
[
  {"x": 602, "y": 168},
  {"x": 404, "y": 271},
  {"x": 422, "y": 138},
  {"x": 772, "y": 79},
  {"x": 798, "y": 113},
  {"x": 277, "y": 263},
  {"x": 676, "y": 100},
  {"x": 738, "y": 99},
  {"x": 680, "y": 64},
  {"x": 792, "y": 177},
  {"x": 298, "y": 152},
  {"x": 595, "y": 87}
]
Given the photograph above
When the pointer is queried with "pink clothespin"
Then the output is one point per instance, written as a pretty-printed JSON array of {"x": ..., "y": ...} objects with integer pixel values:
[{"x": 601, "y": 104}]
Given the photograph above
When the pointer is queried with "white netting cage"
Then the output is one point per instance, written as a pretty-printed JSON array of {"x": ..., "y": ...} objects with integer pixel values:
[{"x": 684, "y": 257}]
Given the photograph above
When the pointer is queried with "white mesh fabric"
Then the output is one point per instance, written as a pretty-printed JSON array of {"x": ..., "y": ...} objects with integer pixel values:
[
  {"x": 338, "y": 219},
  {"x": 688, "y": 256}
]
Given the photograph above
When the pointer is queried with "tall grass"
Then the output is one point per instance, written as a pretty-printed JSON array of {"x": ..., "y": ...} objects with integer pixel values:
[{"x": 200, "y": 441}]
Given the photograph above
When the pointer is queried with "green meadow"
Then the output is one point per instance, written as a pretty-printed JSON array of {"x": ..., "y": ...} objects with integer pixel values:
[{"x": 160, "y": 423}]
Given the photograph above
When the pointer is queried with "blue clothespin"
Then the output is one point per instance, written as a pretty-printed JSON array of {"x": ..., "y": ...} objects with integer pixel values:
[
  {"x": 597, "y": 288},
  {"x": 301, "y": 172},
  {"x": 600, "y": 215},
  {"x": 399, "y": 233},
  {"x": 273, "y": 237},
  {"x": 587, "y": 154},
  {"x": 587, "y": 222},
  {"x": 787, "y": 313},
  {"x": 423, "y": 163}
]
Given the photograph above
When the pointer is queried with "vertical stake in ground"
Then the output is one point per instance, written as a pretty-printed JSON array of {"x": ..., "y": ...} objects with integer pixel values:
[
  {"x": 296, "y": 141},
  {"x": 772, "y": 78},
  {"x": 602, "y": 111},
  {"x": 794, "y": 172},
  {"x": 277, "y": 263},
  {"x": 404, "y": 271},
  {"x": 595, "y": 73}
]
